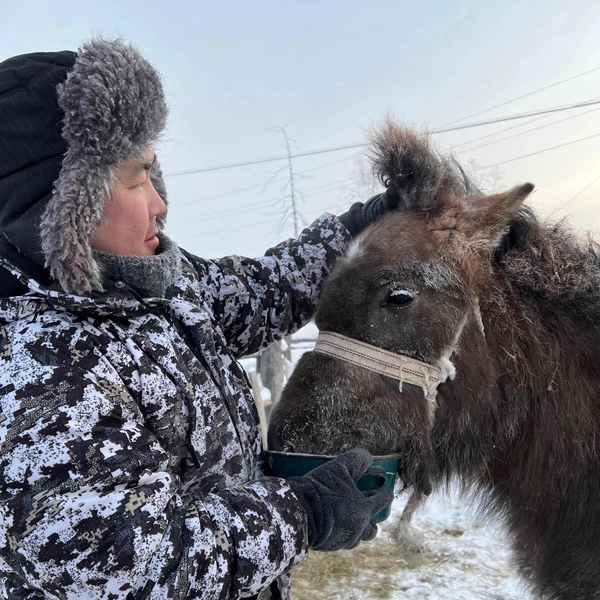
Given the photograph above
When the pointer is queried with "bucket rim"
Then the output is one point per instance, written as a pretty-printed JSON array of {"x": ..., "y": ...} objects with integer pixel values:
[{"x": 325, "y": 456}]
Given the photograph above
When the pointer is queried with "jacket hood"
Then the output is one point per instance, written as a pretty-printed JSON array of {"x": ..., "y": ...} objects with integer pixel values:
[
  {"x": 31, "y": 145},
  {"x": 66, "y": 122}
]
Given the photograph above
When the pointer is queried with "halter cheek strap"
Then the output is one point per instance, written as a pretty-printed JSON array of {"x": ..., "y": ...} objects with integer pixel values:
[{"x": 397, "y": 366}]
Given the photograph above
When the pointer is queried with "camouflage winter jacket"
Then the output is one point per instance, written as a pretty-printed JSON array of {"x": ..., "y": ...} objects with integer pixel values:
[{"x": 130, "y": 450}]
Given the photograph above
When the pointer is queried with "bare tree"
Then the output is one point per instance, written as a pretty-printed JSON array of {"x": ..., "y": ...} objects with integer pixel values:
[
  {"x": 291, "y": 195},
  {"x": 364, "y": 182},
  {"x": 487, "y": 180},
  {"x": 270, "y": 364},
  {"x": 271, "y": 361}
]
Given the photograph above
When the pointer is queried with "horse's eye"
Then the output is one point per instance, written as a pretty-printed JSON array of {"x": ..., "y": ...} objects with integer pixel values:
[{"x": 398, "y": 298}]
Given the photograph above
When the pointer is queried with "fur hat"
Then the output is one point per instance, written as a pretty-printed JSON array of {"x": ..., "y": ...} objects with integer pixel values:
[{"x": 114, "y": 108}]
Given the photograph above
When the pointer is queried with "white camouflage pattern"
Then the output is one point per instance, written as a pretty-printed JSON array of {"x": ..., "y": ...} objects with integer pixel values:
[{"x": 130, "y": 449}]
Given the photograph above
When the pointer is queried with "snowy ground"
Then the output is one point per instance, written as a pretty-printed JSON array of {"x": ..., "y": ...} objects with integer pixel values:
[{"x": 463, "y": 559}]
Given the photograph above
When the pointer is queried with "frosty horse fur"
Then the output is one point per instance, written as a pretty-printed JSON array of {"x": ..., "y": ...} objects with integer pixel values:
[{"x": 480, "y": 285}]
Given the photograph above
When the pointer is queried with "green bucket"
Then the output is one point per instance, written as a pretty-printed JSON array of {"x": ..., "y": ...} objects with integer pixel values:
[{"x": 287, "y": 464}]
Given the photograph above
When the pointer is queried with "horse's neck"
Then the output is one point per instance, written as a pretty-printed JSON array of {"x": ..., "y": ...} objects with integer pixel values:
[{"x": 526, "y": 371}]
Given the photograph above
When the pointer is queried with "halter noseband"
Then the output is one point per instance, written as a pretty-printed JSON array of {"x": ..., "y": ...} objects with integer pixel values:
[{"x": 397, "y": 366}]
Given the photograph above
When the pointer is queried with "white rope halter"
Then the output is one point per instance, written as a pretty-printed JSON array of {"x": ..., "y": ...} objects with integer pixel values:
[{"x": 397, "y": 366}]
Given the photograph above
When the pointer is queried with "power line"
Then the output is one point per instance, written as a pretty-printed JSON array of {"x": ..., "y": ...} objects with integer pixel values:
[
  {"x": 222, "y": 213},
  {"x": 334, "y": 186},
  {"x": 317, "y": 213},
  {"x": 263, "y": 203},
  {"x": 504, "y": 130},
  {"x": 523, "y": 96},
  {"x": 544, "y": 111},
  {"x": 514, "y": 135},
  {"x": 223, "y": 194},
  {"x": 240, "y": 190},
  {"x": 589, "y": 185},
  {"x": 259, "y": 161},
  {"x": 323, "y": 191},
  {"x": 258, "y": 185},
  {"x": 361, "y": 145},
  {"x": 266, "y": 160},
  {"x": 589, "y": 137},
  {"x": 227, "y": 229}
]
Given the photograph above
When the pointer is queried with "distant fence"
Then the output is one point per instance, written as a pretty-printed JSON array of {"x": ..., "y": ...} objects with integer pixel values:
[
  {"x": 297, "y": 344},
  {"x": 268, "y": 371}
]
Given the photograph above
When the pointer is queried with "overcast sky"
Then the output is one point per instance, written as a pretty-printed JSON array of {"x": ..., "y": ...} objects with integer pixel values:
[{"x": 235, "y": 72}]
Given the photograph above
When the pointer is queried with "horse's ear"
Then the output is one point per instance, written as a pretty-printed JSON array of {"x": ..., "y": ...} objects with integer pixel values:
[{"x": 489, "y": 216}]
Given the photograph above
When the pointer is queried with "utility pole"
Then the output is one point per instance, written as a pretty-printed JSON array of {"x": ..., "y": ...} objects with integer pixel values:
[
  {"x": 295, "y": 217},
  {"x": 289, "y": 202},
  {"x": 271, "y": 361},
  {"x": 293, "y": 204}
]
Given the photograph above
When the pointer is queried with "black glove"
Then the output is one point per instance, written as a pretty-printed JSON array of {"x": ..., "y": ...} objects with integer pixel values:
[
  {"x": 360, "y": 215},
  {"x": 339, "y": 514}
]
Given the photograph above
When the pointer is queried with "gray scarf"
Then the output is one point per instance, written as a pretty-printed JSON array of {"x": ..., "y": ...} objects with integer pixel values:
[{"x": 149, "y": 276}]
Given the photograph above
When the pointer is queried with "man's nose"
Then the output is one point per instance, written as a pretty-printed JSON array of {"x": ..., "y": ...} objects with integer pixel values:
[{"x": 157, "y": 204}]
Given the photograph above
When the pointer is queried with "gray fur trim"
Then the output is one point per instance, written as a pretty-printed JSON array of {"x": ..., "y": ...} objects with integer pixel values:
[
  {"x": 149, "y": 276},
  {"x": 114, "y": 108}
]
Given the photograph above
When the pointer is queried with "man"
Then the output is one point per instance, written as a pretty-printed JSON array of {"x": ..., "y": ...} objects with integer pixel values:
[{"x": 130, "y": 450}]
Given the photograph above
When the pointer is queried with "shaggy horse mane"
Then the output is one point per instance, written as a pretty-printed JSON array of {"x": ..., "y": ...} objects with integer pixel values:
[{"x": 552, "y": 262}]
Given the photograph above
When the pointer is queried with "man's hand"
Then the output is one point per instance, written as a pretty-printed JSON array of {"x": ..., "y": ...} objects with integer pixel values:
[
  {"x": 339, "y": 514},
  {"x": 360, "y": 215}
]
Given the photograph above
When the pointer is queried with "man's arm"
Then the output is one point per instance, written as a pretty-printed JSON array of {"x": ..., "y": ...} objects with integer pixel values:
[
  {"x": 256, "y": 301},
  {"x": 91, "y": 507}
]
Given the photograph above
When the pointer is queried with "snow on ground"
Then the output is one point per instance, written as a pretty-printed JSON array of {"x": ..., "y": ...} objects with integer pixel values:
[{"x": 463, "y": 559}]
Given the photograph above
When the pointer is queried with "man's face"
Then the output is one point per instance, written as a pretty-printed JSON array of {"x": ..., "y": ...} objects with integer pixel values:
[{"x": 129, "y": 223}]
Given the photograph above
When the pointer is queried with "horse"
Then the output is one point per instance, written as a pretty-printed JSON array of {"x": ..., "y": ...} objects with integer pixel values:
[{"x": 461, "y": 333}]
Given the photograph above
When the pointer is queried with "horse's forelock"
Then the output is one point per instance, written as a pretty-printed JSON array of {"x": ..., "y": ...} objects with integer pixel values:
[{"x": 408, "y": 162}]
